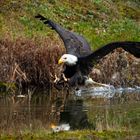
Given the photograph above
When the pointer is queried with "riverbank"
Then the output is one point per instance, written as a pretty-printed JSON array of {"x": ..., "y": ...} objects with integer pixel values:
[
  {"x": 25, "y": 63},
  {"x": 29, "y": 50}
]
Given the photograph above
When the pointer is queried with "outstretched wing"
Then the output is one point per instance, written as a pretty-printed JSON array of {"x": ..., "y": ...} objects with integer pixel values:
[
  {"x": 74, "y": 44},
  {"x": 86, "y": 63}
]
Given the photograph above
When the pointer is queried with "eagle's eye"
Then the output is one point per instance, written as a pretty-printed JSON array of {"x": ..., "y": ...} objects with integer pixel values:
[{"x": 65, "y": 58}]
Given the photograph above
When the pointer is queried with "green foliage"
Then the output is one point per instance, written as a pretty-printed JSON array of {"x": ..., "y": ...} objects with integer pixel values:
[
  {"x": 7, "y": 87},
  {"x": 76, "y": 135},
  {"x": 99, "y": 21}
]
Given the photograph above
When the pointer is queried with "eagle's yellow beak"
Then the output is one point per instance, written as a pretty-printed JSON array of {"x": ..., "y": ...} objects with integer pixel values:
[{"x": 60, "y": 61}]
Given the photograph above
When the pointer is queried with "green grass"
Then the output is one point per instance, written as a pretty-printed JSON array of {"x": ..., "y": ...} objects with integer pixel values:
[
  {"x": 99, "y": 21},
  {"x": 71, "y": 135}
]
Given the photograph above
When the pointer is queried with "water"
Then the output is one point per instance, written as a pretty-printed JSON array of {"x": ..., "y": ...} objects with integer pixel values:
[{"x": 119, "y": 111}]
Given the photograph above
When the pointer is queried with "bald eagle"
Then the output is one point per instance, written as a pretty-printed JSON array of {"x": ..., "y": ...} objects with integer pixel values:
[{"x": 79, "y": 58}]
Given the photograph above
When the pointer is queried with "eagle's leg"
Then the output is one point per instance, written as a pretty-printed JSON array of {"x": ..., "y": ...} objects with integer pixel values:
[
  {"x": 100, "y": 84},
  {"x": 63, "y": 76},
  {"x": 89, "y": 81},
  {"x": 56, "y": 79}
]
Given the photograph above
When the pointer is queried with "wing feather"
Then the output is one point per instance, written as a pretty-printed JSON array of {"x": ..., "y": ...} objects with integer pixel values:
[
  {"x": 75, "y": 44},
  {"x": 88, "y": 62}
]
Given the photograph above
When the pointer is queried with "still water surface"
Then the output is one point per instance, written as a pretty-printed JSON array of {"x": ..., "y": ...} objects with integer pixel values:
[{"x": 121, "y": 111}]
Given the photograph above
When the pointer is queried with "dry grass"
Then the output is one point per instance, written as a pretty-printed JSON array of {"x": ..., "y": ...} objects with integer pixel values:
[
  {"x": 29, "y": 62},
  {"x": 119, "y": 69}
]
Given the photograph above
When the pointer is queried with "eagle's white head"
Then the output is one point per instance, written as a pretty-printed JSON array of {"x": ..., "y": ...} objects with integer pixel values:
[{"x": 68, "y": 59}]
